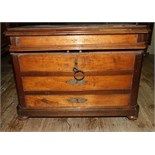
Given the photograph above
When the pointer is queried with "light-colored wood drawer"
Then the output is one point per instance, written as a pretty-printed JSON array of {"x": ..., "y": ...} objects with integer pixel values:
[
  {"x": 87, "y": 62},
  {"x": 78, "y": 38},
  {"x": 68, "y": 83},
  {"x": 37, "y": 41},
  {"x": 77, "y": 101}
]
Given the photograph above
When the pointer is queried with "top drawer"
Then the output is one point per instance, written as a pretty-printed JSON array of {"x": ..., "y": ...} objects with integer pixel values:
[
  {"x": 87, "y": 62},
  {"x": 77, "y": 42},
  {"x": 78, "y": 37}
]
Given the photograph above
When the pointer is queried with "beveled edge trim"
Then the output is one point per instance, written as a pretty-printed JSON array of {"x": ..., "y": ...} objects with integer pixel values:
[
  {"x": 92, "y": 73},
  {"x": 137, "y": 46},
  {"x": 113, "y": 111},
  {"x": 74, "y": 51},
  {"x": 79, "y": 29},
  {"x": 93, "y": 92}
]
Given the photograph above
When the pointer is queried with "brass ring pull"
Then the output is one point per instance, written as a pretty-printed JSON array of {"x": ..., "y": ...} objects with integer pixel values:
[{"x": 78, "y": 74}]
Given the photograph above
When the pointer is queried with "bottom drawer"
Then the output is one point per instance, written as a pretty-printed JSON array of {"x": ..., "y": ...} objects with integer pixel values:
[{"x": 77, "y": 101}]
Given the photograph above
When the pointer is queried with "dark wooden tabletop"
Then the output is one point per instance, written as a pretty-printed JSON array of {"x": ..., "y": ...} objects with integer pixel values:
[{"x": 71, "y": 29}]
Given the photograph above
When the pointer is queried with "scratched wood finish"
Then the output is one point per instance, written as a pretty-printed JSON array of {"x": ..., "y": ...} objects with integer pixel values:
[
  {"x": 75, "y": 40},
  {"x": 145, "y": 121},
  {"x": 45, "y": 30},
  {"x": 81, "y": 37},
  {"x": 52, "y": 48},
  {"x": 85, "y": 62},
  {"x": 69, "y": 101},
  {"x": 66, "y": 83},
  {"x": 60, "y": 62},
  {"x": 37, "y": 57},
  {"x": 77, "y": 37}
]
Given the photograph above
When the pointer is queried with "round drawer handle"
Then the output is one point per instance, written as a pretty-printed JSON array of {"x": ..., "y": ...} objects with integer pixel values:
[{"x": 78, "y": 74}]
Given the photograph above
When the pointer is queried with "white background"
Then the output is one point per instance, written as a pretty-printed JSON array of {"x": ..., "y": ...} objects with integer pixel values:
[
  {"x": 74, "y": 143},
  {"x": 77, "y": 10}
]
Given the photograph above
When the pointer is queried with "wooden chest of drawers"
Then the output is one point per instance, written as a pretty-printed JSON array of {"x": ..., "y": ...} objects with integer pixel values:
[{"x": 78, "y": 70}]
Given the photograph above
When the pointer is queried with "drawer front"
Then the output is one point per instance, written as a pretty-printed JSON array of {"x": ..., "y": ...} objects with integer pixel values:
[
  {"x": 87, "y": 62},
  {"x": 48, "y": 80},
  {"x": 72, "y": 42},
  {"x": 77, "y": 101},
  {"x": 68, "y": 83},
  {"x": 77, "y": 40}
]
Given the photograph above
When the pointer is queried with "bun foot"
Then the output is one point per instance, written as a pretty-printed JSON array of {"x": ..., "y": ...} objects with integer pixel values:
[
  {"x": 132, "y": 118},
  {"x": 22, "y": 118}
]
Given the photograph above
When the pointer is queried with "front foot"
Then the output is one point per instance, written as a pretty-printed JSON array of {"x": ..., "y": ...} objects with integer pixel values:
[
  {"x": 132, "y": 118},
  {"x": 22, "y": 118},
  {"x": 134, "y": 114}
]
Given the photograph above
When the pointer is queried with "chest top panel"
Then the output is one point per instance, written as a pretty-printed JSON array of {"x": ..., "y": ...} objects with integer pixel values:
[{"x": 78, "y": 37}]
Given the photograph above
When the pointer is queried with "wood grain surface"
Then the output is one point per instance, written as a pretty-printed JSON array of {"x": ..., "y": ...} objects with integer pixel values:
[
  {"x": 34, "y": 41},
  {"x": 77, "y": 101},
  {"x": 145, "y": 121},
  {"x": 35, "y": 49},
  {"x": 70, "y": 29},
  {"x": 85, "y": 62},
  {"x": 82, "y": 37},
  {"x": 65, "y": 62},
  {"x": 66, "y": 83}
]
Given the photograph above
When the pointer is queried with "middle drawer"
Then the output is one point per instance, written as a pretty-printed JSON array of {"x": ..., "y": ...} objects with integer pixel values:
[{"x": 68, "y": 83}]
